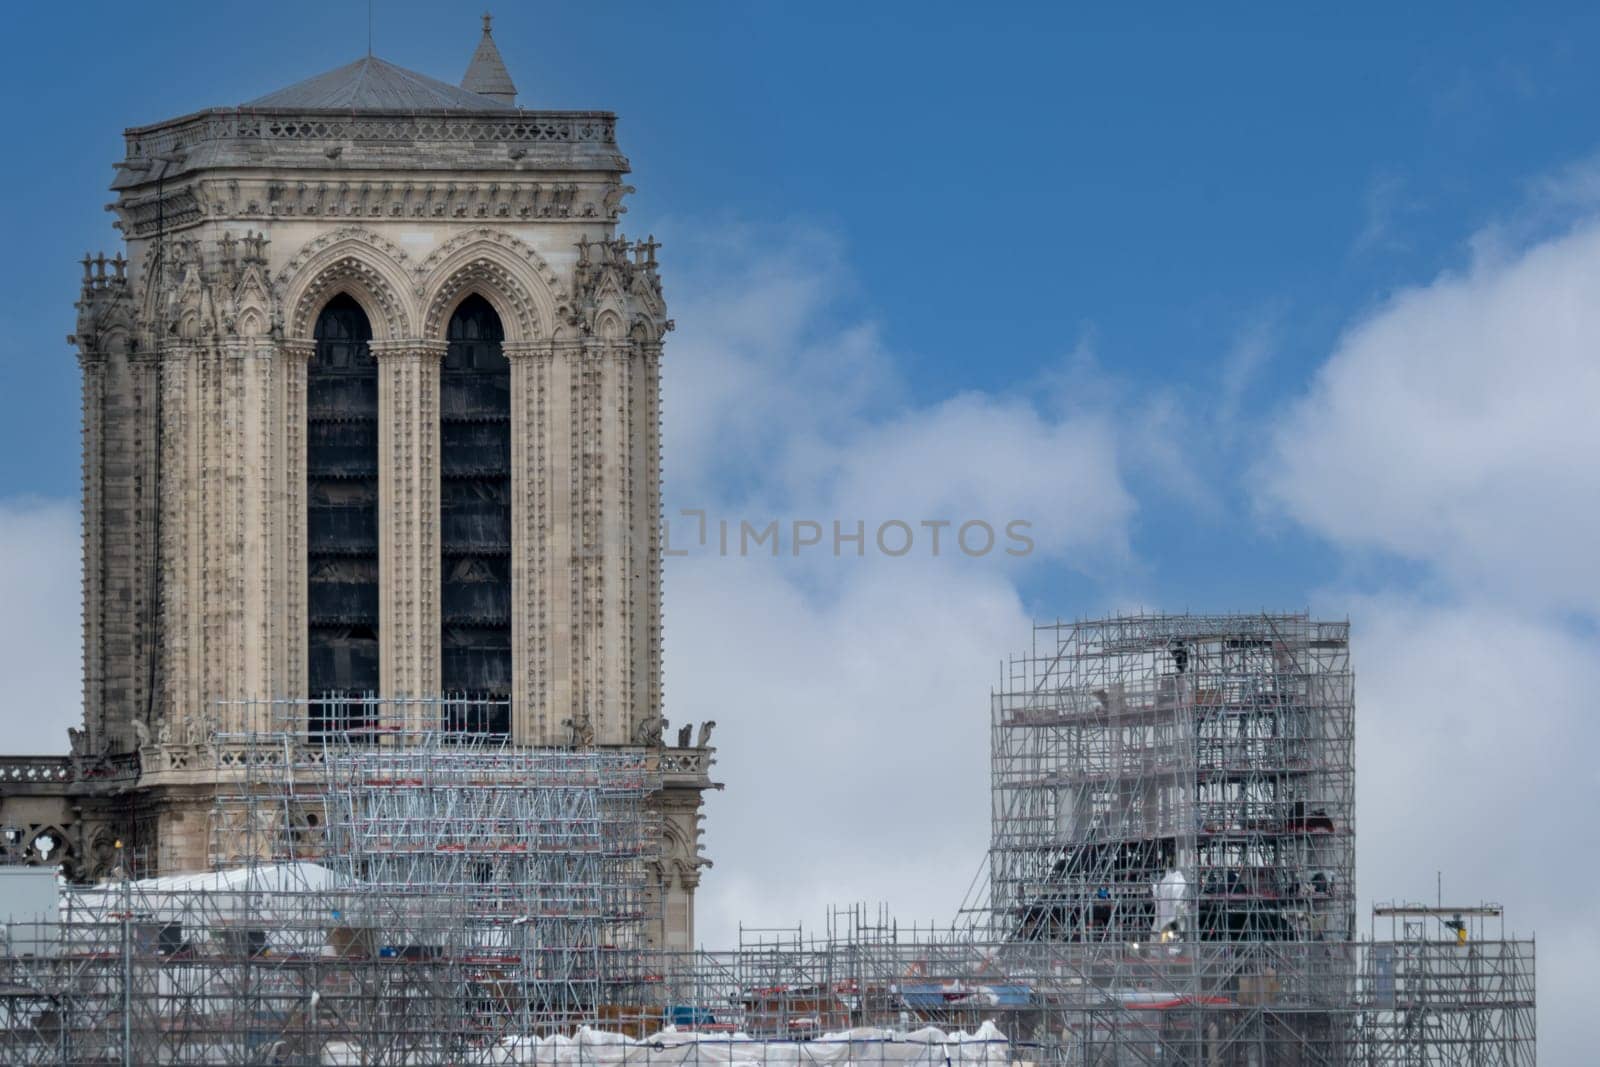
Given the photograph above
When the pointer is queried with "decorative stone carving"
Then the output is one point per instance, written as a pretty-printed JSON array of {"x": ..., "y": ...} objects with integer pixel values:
[
  {"x": 582, "y": 731},
  {"x": 350, "y": 259},
  {"x": 618, "y": 281},
  {"x": 187, "y": 204},
  {"x": 648, "y": 731},
  {"x": 611, "y": 204},
  {"x": 506, "y": 271},
  {"x": 688, "y": 762},
  {"x": 103, "y": 855}
]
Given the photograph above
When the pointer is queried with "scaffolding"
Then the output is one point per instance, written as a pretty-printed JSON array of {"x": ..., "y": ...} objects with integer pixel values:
[
  {"x": 267, "y": 976},
  {"x": 1445, "y": 986},
  {"x": 387, "y": 881},
  {"x": 1170, "y": 881},
  {"x": 1417, "y": 995},
  {"x": 1182, "y": 776}
]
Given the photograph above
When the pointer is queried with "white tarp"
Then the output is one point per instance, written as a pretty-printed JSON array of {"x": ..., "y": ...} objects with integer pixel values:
[
  {"x": 862, "y": 1047},
  {"x": 272, "y": 900},
  {"x": 1171, "y": 894},
  {"x": 258, "y": 878}
]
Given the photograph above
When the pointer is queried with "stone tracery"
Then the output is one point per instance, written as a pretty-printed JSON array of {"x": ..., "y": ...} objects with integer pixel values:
[
  {"x": 353, "y": 260},
  {"x": 507, "y": 271}
]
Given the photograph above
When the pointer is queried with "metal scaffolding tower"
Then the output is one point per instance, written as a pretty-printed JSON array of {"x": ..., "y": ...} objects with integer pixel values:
[{"x": 1186, "y": 777}]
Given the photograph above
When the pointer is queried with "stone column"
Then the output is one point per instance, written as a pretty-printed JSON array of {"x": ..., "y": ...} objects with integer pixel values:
[
  {"x": 563, "y": 435},
  {"x": 644, "y": 499},
  {"x": 532, "y": 718},
  {"x": 145, "y": 370},
  {"x": 98, "y": 729},
  {"x": 588, "y": 531},
  {"x": 626, "y": 569},
  {"x": 408, "y": 517},
  {"x": 297, "y": 356},
  {"x": 226, "y": 484},
  {"x": 118, "y": 398},
  {"x": 259, "y": 471},
  {"x": 180, "y": 525},
  {"x": 612, "y": 470},
  {"x": 210, "y": 501}
]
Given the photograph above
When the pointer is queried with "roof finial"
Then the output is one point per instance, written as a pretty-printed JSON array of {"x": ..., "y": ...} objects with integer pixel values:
[{"x": 487, "y": 18}]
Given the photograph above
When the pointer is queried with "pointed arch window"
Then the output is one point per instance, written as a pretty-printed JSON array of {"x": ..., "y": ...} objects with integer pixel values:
[
  {"x": 342, "y": 519},
  {"x": 475, "y": 520}
]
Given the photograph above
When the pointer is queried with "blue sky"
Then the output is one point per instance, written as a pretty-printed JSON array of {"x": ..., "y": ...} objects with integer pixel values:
[
  {"x": 1243, "y": 309},
  {"x": 1008, "y": 184}
]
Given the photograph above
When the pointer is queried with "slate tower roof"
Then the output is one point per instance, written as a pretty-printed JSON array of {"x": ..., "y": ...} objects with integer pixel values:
[
  {"x": 486, "y": 74},
  {"x": 376, "y": 84}
]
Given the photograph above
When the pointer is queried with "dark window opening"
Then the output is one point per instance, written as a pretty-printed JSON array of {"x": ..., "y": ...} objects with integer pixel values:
[
  {"x": 475, "y": 521},
  {"x": 342, "y": 520}
]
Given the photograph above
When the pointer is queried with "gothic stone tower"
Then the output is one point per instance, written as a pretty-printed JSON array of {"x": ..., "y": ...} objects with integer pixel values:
[{"x": 371, "y": 408}]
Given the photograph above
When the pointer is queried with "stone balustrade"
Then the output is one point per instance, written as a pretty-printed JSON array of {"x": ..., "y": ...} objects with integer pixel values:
[
  {"x": 35, "y": 769},
  {"x": 19, "y": 773}
]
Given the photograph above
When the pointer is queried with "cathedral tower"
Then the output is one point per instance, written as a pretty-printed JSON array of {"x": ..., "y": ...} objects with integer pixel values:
[{"x": 371, "y": 409}]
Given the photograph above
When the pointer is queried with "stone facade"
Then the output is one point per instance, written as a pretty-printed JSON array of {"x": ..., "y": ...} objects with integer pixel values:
[{"x": 241, "y": 224}]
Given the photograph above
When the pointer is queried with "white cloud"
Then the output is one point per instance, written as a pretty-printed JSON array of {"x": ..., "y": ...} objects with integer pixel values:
[
  {"x": 976, "y": 456},
  {"x": 40, "y": 636},
  {"x": 851, "y": 695},
  {"x": 853, "y": 734},
  {"x": 1456, "y": 427},
  {"x": 782, "y": 400},
  {"x": 765, "y": 359}
]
